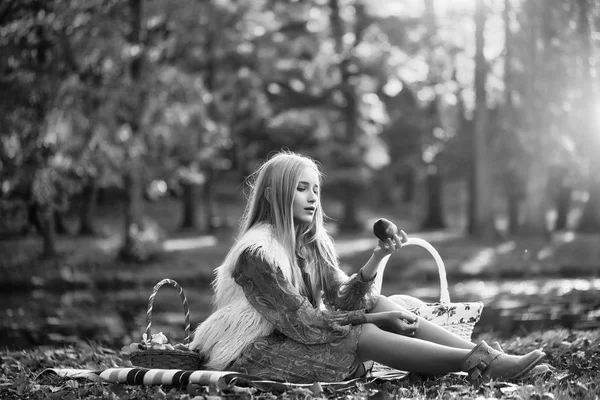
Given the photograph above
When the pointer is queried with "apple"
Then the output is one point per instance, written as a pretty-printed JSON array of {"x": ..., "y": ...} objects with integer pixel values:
[{"x": 384, "y": 229}]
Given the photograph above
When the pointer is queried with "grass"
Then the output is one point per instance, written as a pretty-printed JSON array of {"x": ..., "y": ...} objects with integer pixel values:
[{"x": 573, "y": 355}]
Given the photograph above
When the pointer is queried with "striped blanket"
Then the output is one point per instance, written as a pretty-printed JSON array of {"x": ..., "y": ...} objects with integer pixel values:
[{"x": 219, "y": 379}]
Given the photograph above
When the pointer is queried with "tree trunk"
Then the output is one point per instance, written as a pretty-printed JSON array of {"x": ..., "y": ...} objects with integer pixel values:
[
  {"x": 535, "y": 205},
  {"x": 590, "y": 218},
  {"x": 511, "y": 178},
  {"x": 434, "y": 218},
  {"x": 33, "y": 218},
  {"x": 133, "y": 173},
  {"x": 513, "y": 214},
  {"x": 471, "y": 201},
  {"x": 467, "y": 129},
  {"x": 409, "y": 186},
  {"x": 563, "y": 205},
  {"x": 483, "y": 224},
  {"x": 512, "y": 187},
  {"x": 88, "y": 207},
  {"x": 350, "y": 221},
  {"x": 537, "y": 177},
  {"x": 208, "y": 200},
  {"x": 133, "y": 203},
  {"x": 60, "y": 225},
  {"x": 189, "y": 206},
  {"x": 240, "y": 163},
  {"x": 48, "y": 234},
  {"x": 435, "y": 210}
]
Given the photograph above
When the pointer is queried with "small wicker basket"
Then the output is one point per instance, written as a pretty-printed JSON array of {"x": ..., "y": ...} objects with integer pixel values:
[
  {"x": 458, "y": 318},
  {"x": 167, "y": 358}
]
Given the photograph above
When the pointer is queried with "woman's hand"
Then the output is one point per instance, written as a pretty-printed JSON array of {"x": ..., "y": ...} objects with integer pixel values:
[
  {"x": 402, "y": 322},
  {"x": 392, "y": 244},
  {"x": 383, "y": 249}
]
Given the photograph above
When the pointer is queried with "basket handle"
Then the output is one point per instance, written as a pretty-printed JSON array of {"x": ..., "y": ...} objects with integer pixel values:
[
  {"x": 186, "y": 309},
  {"x": 444, "y": 293}
]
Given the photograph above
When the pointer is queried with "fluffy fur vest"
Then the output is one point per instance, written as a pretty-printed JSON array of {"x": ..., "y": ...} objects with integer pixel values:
[{"x": 234, "y": 323}]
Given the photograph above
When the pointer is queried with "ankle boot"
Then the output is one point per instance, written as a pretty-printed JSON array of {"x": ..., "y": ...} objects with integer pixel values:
[
  {"x": 496, "y": 346},
  {"x": 484, "y": 363}
]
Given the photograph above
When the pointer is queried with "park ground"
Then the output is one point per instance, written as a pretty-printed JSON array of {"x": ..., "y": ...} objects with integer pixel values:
[
  {"x": 573, "y": 355},
  {"x": 55, "y": 296}
]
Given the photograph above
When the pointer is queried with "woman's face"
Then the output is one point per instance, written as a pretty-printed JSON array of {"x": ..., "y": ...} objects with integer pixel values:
[{"x": 306, "y": 197}]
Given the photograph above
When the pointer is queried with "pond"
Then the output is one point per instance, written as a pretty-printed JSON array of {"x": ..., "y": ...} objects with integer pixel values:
[{"x": 118, "y": 317}]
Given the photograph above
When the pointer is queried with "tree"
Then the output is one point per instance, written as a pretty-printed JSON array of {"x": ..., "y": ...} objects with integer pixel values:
[
  {"x": 131, "y": 128},
  {"x": 350, "y": 159},
  {"x": 508, "y": 142},
  {"x": 483, "y": 226},
  {"x": 590, "y": 219},
  {"x": 434, "y": 215},
  {"x": 537, "y": 117},
  {"x": 34, "y": 64},
  {"x": 317, "y": 82},
  {"x": 209, "y": 77}
]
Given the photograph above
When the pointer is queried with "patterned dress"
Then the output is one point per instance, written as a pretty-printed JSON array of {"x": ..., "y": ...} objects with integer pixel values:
[{"x": 308, "y": 344}]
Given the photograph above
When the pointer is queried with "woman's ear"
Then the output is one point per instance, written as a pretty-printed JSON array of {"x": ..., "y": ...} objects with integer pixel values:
[{"x": 268, "y": 194}]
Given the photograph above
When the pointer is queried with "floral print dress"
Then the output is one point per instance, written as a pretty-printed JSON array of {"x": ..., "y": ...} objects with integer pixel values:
[{"x": 309, "y": 344}]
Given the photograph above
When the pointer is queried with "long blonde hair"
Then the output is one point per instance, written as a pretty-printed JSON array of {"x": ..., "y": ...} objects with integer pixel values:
[{"x": 281, "y": 174}]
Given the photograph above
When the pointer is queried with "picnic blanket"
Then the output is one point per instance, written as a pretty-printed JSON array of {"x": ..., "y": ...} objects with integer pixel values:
[{"x": 219, "y": 379}]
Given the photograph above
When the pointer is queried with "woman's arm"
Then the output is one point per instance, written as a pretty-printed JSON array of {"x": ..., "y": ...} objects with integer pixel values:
[
  {"x": 343, "y": 292},
  {"x": 369, "y": 270},
  {"x": 282, "y": 304},
  {"x": 381, "y": 255},
  {"x": 360, "y": 290}
]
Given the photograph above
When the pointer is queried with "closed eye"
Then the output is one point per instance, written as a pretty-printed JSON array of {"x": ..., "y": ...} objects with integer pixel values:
[{"x": 304, "y": 187}]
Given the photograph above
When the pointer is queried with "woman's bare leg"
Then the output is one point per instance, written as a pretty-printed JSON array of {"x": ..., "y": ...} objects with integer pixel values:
[
  {"x": 408, "y": 353},
  {"x": 416, "y": 355},
  {"x": 427, "y": 330}
]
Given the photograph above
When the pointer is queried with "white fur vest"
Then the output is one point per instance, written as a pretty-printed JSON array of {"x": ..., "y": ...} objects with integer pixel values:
[{"x": 234, "y": 323}]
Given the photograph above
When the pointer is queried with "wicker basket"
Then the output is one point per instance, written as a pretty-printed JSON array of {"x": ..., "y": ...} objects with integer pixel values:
[
  {"x": 458, "y": 318},
  {"x": 167, "y": 358}
]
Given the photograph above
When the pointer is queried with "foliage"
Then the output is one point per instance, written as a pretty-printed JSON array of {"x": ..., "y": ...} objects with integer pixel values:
[
  {"x": 51, "y": 114},
  {"x": 371, "y": 92},
  {"x": 574, "y": 357},
  {"x": 147, "y": 241}
]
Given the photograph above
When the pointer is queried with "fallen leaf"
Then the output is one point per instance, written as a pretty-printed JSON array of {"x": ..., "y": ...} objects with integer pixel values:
[
  {"x": 192, "y": 389},
  {"x": 160, "y": 394},
  {"x": 72, "y": 384},
  {"x": 118, "y": 390},
  {"x": 562, "y": 375},
  {"x": 62, "y": 395},
  {"x": 509, "y": 388},
  {"x": 316, "y": 389},
  {"x": 54, "y": 388}
]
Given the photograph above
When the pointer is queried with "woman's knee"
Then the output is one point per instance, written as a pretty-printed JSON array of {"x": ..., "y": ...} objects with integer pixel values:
[
  {"x": 368, "y": 330},
  {"x": 368, "y": 334},
  {"x": 406, "y": 301},
  {"x": 385, "y": 303}
]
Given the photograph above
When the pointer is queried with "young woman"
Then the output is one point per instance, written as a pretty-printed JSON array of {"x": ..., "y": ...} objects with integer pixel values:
[{"x": 284, "y": 309}]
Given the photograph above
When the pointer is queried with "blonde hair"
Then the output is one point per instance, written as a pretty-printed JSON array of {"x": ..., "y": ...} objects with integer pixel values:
[{"x": 272, "y": 189}]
